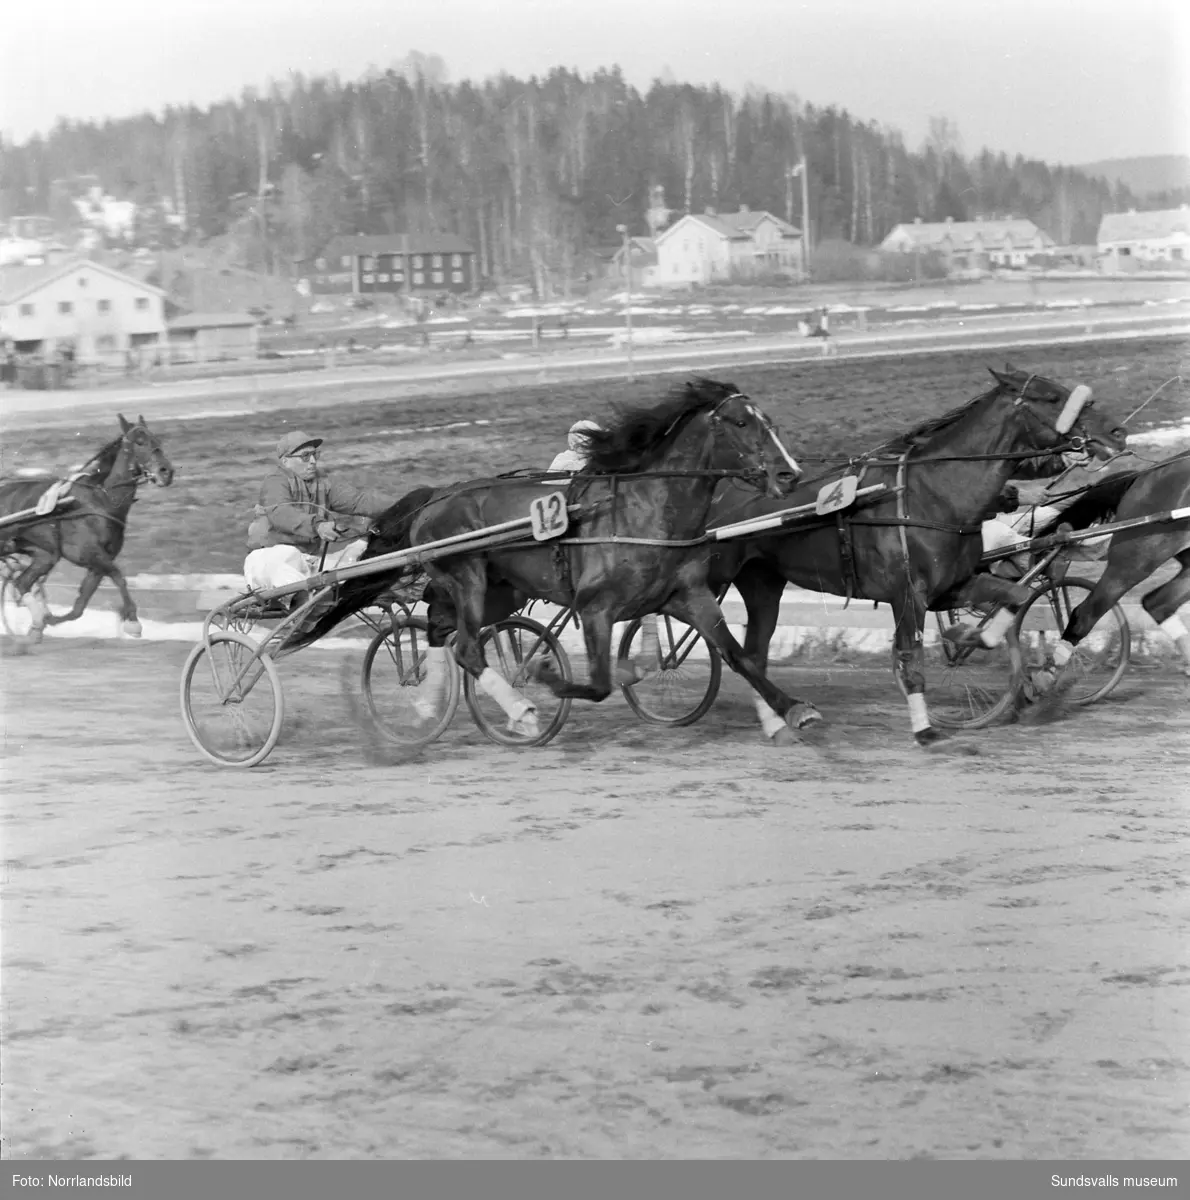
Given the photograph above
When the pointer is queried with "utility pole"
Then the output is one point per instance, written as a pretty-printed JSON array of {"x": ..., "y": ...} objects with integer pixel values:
[
  {"x": 622, "y": 230},
  {"x": 801, "y": 170}
]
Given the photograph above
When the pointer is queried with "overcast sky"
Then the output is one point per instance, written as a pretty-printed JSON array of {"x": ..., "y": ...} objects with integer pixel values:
[{"x": 1062, "y": 80}]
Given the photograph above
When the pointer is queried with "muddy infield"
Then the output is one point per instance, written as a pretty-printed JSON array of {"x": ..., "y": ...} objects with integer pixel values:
[{"x": 634, "y": 942}]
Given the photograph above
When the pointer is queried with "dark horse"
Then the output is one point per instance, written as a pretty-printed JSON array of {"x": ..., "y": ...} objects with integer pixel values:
[
  {"x": 635, "y": 547},
  {"x": 1134, "y": 553},
  {"x": 917, "y": 546},
  {"x": 89, "y": 532}
]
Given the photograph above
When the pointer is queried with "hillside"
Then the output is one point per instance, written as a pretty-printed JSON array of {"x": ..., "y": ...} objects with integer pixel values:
[{"x": 1144, "y": 176}]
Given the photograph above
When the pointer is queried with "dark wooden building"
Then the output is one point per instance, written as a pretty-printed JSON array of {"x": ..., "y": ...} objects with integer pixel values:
[{"x": 393, "y": 263}]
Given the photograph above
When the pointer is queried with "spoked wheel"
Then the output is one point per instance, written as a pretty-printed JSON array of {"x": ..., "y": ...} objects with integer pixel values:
[
  {"x": 683, "y": 673},
  {"x": 1099, "y": 660},
  {"x": 411, "y": 696},
  {"x": 231, "y": 700},
  {"x": 968, "y": 687},
  {"x": 517, "y": 648}
]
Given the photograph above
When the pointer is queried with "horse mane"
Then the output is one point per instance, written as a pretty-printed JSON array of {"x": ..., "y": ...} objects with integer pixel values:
[
  {"x": 99, "y": 466},
  {"x": 640, "y": 435},
  {"x": 920, "y": 434}
]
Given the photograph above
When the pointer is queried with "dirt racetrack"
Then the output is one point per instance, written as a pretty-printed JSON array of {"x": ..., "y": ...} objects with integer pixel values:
[{"x": 634, "y": 942}]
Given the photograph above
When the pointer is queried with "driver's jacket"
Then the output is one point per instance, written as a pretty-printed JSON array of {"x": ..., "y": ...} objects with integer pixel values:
[{"x": 289, "y": 508}]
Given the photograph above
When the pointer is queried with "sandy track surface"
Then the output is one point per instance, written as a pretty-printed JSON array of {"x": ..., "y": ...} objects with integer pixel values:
[{"x": 632, "y": 943}]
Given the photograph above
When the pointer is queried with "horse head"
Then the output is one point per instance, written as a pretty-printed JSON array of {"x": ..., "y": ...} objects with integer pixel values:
[
  {"x": 147, "y": 458},
  {"x": 1057, "y": 420},
  {"x": 745, "y": 439}
]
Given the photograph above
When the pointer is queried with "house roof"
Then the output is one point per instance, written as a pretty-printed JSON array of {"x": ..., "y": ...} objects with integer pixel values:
[
  {"x": 964, "y": 233},
  {"x": 396, "y": 243},
  {"x": 211, "y": 320},
  {"x": 1139, "y": 226},
  {"x": 18, "y": 282},
  {"x": 735, "y": 227}
]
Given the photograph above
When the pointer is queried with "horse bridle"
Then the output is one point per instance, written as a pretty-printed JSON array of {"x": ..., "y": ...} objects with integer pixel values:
[
  {"x": 754, "y": 475},
  {"x": 1074, "y": 442}
]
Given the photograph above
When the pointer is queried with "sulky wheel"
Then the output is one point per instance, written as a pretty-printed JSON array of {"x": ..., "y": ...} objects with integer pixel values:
[
  {"x": 681, "y": 677},
  {"x": 518, "y": 648},
  {"x": 411, "y": 694},
  {"x": 1099, "y": 661},
  {"x": 968, "y": 687},
  {"x": 231, "y": 700}
]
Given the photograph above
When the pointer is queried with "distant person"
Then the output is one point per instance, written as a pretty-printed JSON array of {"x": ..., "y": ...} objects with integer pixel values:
[{"x": 300, "y": 513}]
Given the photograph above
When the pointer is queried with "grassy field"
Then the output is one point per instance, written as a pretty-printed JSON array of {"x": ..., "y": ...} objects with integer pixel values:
[{"x": 830, "y": 408}]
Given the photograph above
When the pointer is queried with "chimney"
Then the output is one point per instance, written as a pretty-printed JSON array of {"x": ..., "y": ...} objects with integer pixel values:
[
  {"x": 710, "y": 212},
  {"x": 917, "y": 220},
  {"x": 950, "y": 220},
  {"x": 744, "y": 208}
]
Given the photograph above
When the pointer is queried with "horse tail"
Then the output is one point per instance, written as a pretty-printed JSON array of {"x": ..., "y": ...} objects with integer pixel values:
[
  {"x": 391, "y": 532},
  {"x": 1096, "y": 503}
]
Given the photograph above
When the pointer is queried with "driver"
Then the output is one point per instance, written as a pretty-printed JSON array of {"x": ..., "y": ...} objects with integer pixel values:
[{"x": 302, "y": 512}]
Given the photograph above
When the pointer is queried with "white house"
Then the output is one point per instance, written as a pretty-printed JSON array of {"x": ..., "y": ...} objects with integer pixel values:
[
  {"x": 711, "y": 246},
  {"x": 1126, "y": 240},
  {"x": 980, "y": 243},
  {"x": 100, "y": 312}
]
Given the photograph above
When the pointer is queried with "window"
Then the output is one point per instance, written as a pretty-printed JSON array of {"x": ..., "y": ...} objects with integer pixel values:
[
  {"x": 456, "y": 260},
  {"x": 104, "y": 305},
  {"x": 106, "y": 342},
  {"x": 398, "y": 276},
  {"x": 456, "y": 276},
  {"x": 419, "y": 278},
  {"x": 417, "y": 260},
  {"x": 320, "y": 263},
  {"x": 437, "y": 260},
  {"x": 368, "y": 264},
  {"x": 439, "y": 276},
  {"x": 345, "y": 261},
  {"x": 369, "y": 278},
  {"x": 27, "y": 310},
  {"x": 65, "y": 306},
  {"x": 1176, "y": 252}
]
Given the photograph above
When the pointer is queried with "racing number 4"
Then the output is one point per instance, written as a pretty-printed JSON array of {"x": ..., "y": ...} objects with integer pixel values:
[
  {"x": 548, "y": 516},
  {"x": 835, "y": 496}
]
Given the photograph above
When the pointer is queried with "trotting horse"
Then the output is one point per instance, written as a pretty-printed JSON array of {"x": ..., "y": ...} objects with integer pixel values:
[
  {"x": 635, "y": 547},
  {"x": 88, "y": 533},
  {"x": 1133, "y": 556},
  {"x": 917, "y": 545}
]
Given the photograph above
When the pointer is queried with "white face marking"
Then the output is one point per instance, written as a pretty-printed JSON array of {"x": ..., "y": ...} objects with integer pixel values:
[{"x": 772, "y": 432}]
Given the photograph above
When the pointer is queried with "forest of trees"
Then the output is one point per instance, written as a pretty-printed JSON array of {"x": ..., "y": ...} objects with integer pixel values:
[{"x": 533, "y": 173}]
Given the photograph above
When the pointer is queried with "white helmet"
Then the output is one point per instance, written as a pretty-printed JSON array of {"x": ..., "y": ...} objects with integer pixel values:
[{"x": 577, "y": 437}]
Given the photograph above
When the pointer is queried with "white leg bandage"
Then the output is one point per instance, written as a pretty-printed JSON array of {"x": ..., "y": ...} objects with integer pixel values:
[
  {"x": 769, "y": 721},
  {"x": 1063, "y": 652},
  {"x": 1173, "y": 628},
  {"x": 504, "y": 694},
  {"x": 428, "y": 695},
  {"x": 37, "y": 610},
  {"x": 919, "y": 718},
  {"x": 992, "y": 634},
  {"x": 650, "y": 644}
]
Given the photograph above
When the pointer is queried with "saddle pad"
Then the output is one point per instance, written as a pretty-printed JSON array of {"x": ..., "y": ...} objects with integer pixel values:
[{"x": 49, "y": 499}]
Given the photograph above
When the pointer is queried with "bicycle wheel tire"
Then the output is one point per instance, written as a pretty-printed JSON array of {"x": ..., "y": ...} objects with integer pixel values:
[
  {"x": 968, "y": 687},
  {"x": 233, "y": 724},
  {"x": 406, "y": 706},
  {"x": 515, "y": 648},
  {"x": 684, "y": 681},
  {"x": 1099, "y": 661}
]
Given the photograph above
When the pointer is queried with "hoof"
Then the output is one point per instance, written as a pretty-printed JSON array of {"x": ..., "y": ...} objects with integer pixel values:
[
  {"x": 784, "y": 737},
  {"x": 801, "y": 715},
  {"x": 132, "y": 629},
  {"x": 525, "y": 725},
  {"x": 929, "y": 738},
  {"x": 962, "y": 635},
  {"x": 628, "y": 673},
  {"x": 34, "y": 636}
]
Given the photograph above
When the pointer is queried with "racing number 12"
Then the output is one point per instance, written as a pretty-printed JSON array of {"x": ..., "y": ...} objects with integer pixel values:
[{"x": 548, "y": 515}]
